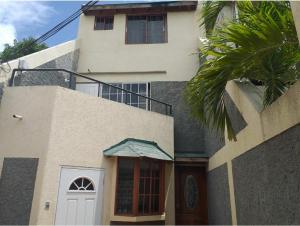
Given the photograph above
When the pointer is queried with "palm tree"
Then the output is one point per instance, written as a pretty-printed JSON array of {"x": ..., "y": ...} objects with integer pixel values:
[
  {"x": 210, "y": 13},
  {"x": 261, "y": 45}
]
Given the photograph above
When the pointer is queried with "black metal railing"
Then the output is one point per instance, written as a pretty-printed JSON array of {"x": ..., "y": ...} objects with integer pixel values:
[{"x": 70, "y": 82}]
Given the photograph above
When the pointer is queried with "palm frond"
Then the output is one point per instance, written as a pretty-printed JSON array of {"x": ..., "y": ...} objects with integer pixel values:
[
  {"x": 262, "y": 45},
  {"x": 210, "y": 13}
]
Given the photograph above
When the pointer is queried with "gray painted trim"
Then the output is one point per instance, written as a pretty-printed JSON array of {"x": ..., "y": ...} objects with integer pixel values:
[{"x": 17, "y": 184}]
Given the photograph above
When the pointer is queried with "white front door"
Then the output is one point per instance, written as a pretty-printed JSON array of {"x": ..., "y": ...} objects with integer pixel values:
[
  {"x": 80, "y": 197},
  {"x": 88, "y": 88}
]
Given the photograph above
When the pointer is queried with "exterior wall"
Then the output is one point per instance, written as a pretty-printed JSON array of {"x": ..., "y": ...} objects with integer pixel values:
[
  {"x": 188, "y": 133},
  {"x": 68, "y": 61},
  {"x": 109, "y": 59},
  {"x": 267, "y": 181},
  {"x": 260, "y": 165},
  {"x": 77, "y": 127},
  {"x": 39, "y": 58},
  {"x": 16, "y": 190},
  {"x": 27, "y": 138},
  {"x": 219, "y": 212}
]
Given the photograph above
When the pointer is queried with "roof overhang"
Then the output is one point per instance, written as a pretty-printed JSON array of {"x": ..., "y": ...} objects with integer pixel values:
[
  {"x": 149, "y": 7},
  {"x": 137, "y": 148}
]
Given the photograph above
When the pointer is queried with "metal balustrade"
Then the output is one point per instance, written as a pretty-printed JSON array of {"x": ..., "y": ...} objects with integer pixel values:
[{"x": 70, "y": 82}]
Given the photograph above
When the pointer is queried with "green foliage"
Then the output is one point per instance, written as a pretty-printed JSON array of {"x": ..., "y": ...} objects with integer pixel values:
[
  {"x": 21, "y": 48},
  {"x": 210, "y": 13},
  {"x": 262, "y": 45}
]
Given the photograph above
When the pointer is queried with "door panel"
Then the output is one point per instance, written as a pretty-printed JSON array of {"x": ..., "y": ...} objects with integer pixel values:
[
  {"x": 78, "y": 201},
  {"x": 190, "y": 195},
  {"x": 71, "y": 212},
  {"x": 89, "y": 211}
]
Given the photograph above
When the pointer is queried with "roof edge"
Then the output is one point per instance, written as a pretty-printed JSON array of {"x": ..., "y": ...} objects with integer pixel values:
[
  {"x": 124, "y": 8},
  {"x": 139, "y": 140}
]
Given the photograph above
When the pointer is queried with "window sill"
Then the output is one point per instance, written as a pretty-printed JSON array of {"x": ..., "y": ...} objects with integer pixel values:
[
  {"x": 139, "y": 218},
  {"x": 156, "y": 43}
]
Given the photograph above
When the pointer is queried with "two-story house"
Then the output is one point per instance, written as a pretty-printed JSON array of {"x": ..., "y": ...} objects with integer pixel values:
[{"x": 96, "y": 130}]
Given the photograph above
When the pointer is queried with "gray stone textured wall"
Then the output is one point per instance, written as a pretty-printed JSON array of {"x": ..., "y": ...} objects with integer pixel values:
[
  {"x": 219, "y": 211},
  {"x": 236, "y": 118},
  {"x": 16, "y": 190},
  {"x": 1, "y": 90},
  {"x": 213, "y": 141},
  {"x": 267, "y": 181},
  {"x": 190, "y": 135},
  {"x": 68, "y": 61}
]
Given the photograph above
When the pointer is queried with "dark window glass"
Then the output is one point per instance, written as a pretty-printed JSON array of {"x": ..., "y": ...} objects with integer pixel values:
[
  {"x": 105, "y": 91},
  {"x": 125, "y": 186},
  {"x": 148, "y": 193},
  {"x": 149, "y": 187},
  {"x": 136, "y": 29},
  {"x": 104, "y": 23},
  {"x": 82, "y": 184},
  {"x": 146, "y": 29},
  {"x": 156, "y": 29},
  {"x": 118, "y": 95}
]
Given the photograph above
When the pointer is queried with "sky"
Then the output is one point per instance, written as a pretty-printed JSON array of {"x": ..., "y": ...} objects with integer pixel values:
[{"x": 22, "y": 19}]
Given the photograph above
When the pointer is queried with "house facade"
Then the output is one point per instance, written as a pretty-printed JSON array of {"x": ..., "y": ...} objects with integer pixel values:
[{"x": 97, "y": 131}]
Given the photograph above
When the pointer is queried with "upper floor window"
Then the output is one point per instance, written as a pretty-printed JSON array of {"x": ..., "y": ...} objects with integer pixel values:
[
  {"x": 144, "y": 29},
  {"x": 104, "y": 22}
]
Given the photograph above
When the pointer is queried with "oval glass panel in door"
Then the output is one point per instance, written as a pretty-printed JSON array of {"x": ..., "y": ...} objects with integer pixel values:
[{"x": 191, "y": 193}]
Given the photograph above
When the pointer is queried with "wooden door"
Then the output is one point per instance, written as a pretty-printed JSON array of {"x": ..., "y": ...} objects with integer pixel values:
[{"x": 190, "y": 195}]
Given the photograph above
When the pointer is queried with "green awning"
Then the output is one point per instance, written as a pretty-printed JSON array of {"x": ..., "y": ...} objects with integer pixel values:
[{"x": 131, "y": 147}]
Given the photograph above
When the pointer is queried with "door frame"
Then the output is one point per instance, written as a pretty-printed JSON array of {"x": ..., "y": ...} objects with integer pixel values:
[{"x": 99, "y": 207}]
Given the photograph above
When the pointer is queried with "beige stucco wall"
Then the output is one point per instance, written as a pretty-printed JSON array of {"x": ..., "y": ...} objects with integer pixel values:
[
  {"x": 68, "y": 128},
  {"x": 295, "y": 5},
  {"x": 106, "y": 55},
  {"x": 28, "y": 137}
]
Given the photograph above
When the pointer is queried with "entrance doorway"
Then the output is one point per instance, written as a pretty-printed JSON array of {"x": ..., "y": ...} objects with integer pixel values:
[
  {"x": 190, "y": 195},
  {"x": 80, "y": 197}
]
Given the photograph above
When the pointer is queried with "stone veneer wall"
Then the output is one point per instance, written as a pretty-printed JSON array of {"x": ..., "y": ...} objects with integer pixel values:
[
  {"x": 219, "y": 211},
  {"x": 17, "y": 183},
  {"x": 1, "y": 90},
  {"x": 267, "y": 181},
  {"x": 190, "y": 135},
  {"x": 68, "y": 61},
  {"x": 213, "y": 142}
]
